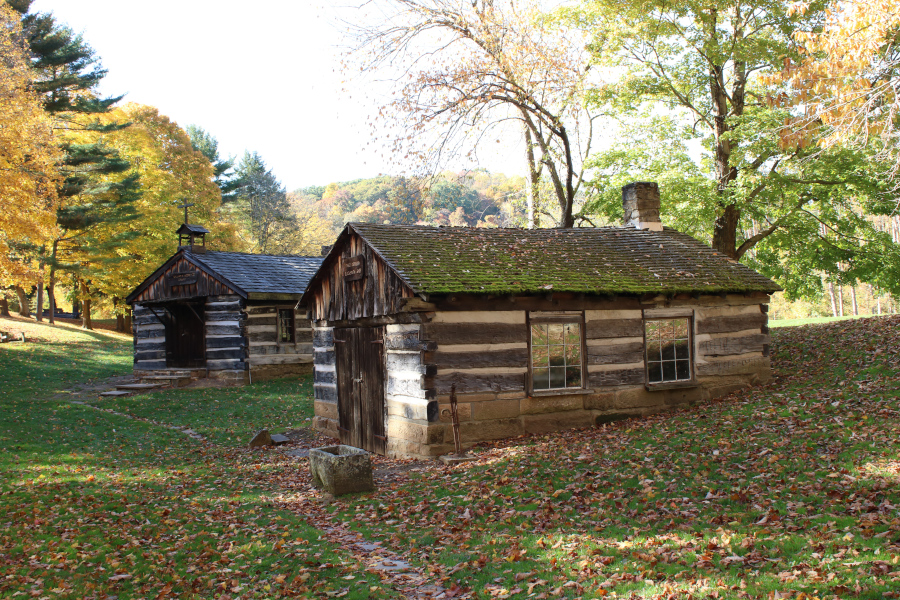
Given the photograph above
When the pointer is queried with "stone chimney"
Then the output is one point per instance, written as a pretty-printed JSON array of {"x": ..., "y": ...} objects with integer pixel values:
[{"x": 641, "y": 203}]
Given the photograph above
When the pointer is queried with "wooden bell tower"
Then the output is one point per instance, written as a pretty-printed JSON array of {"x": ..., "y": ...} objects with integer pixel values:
[{"x": 191, "y": 237}]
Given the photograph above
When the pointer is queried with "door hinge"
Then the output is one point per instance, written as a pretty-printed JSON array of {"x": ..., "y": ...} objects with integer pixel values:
[
  {"x": 381, "y": 437},
  {"x": 340, "y": 341},
  {"x": 343, "y": 429},
  {"x": 377, "y": 341}
]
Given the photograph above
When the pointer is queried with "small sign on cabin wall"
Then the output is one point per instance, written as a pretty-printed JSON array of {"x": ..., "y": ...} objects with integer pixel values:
[
  {"x": 355, "y": 268},
  {"x": 182, "y": 279}
]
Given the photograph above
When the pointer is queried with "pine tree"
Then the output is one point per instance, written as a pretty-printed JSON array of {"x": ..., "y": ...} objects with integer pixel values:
[
  {"x": 263, "y": 200},
  {"x": 206, "y": 144}
]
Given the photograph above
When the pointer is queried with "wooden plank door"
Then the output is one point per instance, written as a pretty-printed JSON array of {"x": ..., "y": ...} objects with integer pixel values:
[
  {"x": 185, "y": 336},
  {"x": 359, "y": 358}
]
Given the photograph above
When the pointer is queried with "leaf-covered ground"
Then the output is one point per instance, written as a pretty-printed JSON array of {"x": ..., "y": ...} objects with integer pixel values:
[
  {"x": 788, "y": 489},
  {"x": 94, "y": 505}
]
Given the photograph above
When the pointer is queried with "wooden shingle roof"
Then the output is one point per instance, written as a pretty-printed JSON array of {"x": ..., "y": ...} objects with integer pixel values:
[{"x": 607, "y": 260}]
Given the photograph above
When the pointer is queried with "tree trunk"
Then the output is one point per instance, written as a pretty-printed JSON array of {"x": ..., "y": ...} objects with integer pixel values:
[
  {"x": 853, "y": 300},
  {"x": 86, "y": 307},
  {"x": 24, "y": 308},
  {"x": 841, "y": 300},
  {"x": 4, "y": 306},
  {"x": 39, "y": 303},
  {"x": 127, "y": 319},
  {"x": 834, "y": 311},
  {"x": 878, "y": 304},
  {"x": 51, "y": 283},
  {"x": 120, "y": 318},
  {"x": 534, "y": 179}
]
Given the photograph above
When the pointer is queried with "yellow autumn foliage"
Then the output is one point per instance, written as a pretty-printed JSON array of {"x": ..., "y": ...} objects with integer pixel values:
[
  {"x": 847, "y": 82},
  {"x": 27, "y": 159},
  {"x": 171, "y": 172}
]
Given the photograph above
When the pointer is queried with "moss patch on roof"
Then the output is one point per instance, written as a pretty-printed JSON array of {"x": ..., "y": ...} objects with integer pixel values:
[{"x": 607, "y": 260}]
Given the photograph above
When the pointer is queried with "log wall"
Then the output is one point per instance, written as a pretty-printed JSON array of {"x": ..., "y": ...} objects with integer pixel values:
[
  {"x": 241, "y": 341},
  {"x": 485, "y": 354},
  {"x": 269, "y": 358}
]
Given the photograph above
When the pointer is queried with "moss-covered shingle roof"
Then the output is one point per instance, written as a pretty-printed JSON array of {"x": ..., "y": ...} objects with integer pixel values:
[{"x": 608, "y": 260}]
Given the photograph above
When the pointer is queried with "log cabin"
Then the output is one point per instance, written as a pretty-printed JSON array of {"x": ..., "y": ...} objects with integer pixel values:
[
  {"x": 536, "y": 330},
  {"x": 223, "y": 315}
]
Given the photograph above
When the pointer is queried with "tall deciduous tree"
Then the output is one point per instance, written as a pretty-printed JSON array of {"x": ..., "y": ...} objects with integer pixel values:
[
  {"x": 693, "y": 72},
  {"x": 848, "y": 76},
  {"x": 471, "y": 66},
  {"x": 28, "y": 155},
  {"x": 66, "y": 73}
]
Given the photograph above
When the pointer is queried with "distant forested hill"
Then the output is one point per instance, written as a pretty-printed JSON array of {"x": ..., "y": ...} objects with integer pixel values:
[{"x": 474, "y": 198}]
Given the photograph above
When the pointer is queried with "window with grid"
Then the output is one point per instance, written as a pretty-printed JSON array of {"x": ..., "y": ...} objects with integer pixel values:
[
  {"x": 286, "y": 325},
  {"x": 668, "y": 343},
  {"x": 556, "y": 355}
]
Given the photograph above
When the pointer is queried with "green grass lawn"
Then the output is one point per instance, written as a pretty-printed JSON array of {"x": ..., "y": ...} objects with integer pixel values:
[{"x": 93, "y": 505}]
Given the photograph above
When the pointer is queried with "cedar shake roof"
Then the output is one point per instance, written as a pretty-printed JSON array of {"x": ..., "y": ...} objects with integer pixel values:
[
  {"x": 263, "y": 273},
  {"x": 607, "y": 260}
]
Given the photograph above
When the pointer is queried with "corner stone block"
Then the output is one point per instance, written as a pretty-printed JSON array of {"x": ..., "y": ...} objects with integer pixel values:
[
  {"x": 537, "y": 405},
  {"x": 326, "y": 410},
  {"x": 327, "y": 427},
  {"x": 420, "y": 432},
  {"x": 341, "y": 469},
  {"x": 546, "y": 423}
]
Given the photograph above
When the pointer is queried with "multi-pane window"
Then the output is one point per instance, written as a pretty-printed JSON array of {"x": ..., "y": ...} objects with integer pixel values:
[
  {"x": 556, "y": 355},
  {"x": 668, "y": 343},
  {"x": 286, "y": 325}
]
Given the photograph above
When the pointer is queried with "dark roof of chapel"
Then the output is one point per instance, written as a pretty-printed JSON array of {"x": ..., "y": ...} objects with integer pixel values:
[
  {"x": 264, "y": 273},
  {"x": 606, "y": 260}
]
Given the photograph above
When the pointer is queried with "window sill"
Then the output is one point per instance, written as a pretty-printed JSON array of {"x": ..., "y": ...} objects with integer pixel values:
[
  {"x": 560, "y": 392},
  {"x": 670, "y": 385}
]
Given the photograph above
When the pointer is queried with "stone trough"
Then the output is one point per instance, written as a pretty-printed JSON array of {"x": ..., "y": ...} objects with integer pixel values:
[{"x": 341, "y": 469}]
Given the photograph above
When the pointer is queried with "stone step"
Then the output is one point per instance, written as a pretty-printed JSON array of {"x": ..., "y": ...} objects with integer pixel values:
[
  {"x": 138, "y": 386},
  {"x": 114, "y": 394},
  {"x": 280, "y": 440},
  {"x": 174, "y": 380}
]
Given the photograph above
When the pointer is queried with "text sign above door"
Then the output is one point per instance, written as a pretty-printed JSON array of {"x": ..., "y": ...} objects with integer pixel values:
[
  {"x": 354, "y": 268},
  {"x": 182, "y": 279}
]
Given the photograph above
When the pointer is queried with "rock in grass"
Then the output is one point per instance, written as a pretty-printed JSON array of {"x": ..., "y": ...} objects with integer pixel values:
[{"x": 262, "y": 438}]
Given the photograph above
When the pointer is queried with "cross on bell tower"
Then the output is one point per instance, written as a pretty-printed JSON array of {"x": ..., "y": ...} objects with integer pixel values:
[{"x": 191, "y": 237}]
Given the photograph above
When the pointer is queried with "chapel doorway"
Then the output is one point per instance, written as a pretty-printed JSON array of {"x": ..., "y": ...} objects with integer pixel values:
[
  {"x": 359, "y": 358},
  {"x": 185, "y": 335}
]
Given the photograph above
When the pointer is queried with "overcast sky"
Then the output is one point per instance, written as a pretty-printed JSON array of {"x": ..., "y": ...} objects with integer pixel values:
[{"x": 261, "y": 76}]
